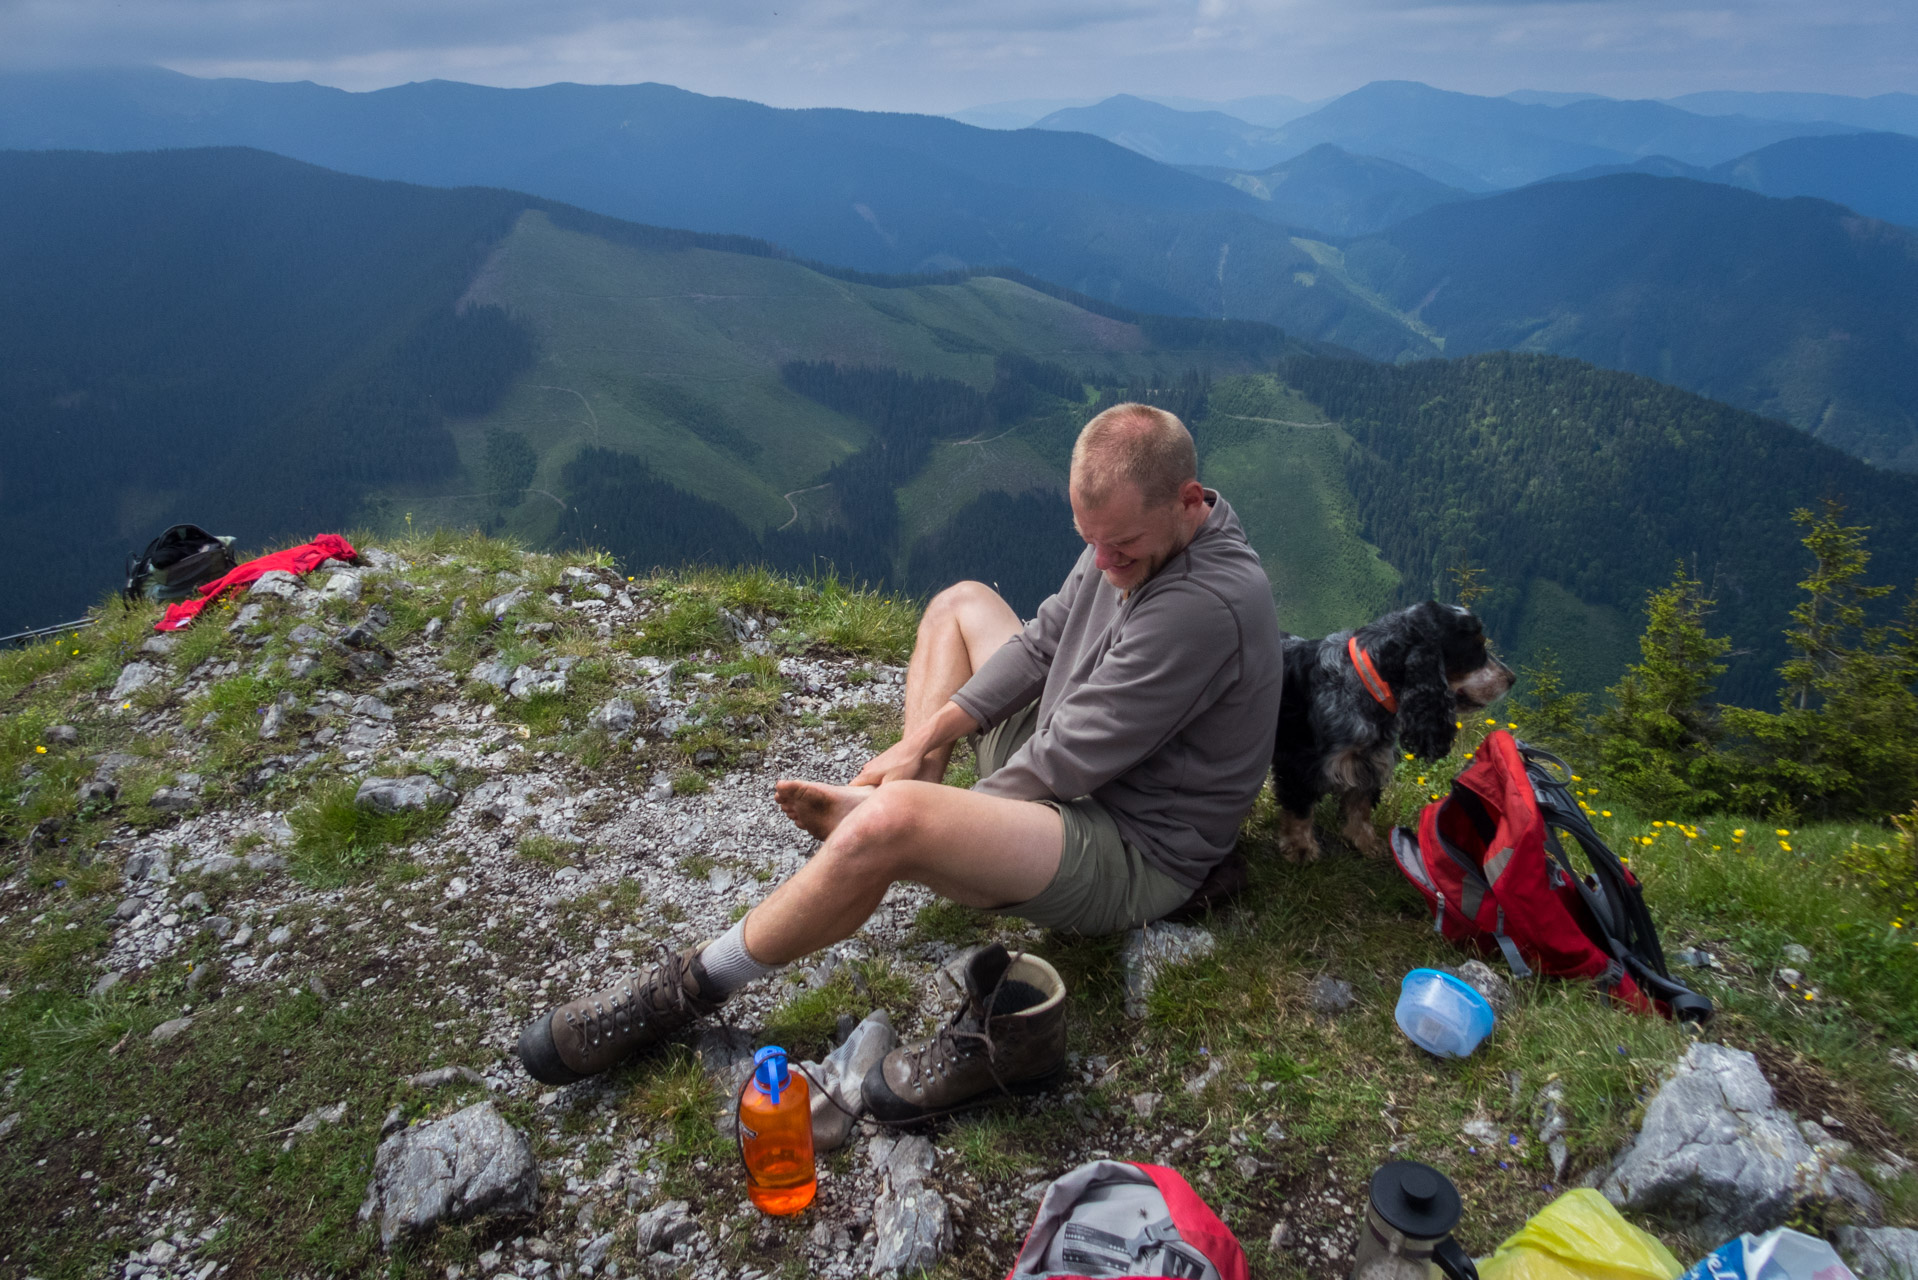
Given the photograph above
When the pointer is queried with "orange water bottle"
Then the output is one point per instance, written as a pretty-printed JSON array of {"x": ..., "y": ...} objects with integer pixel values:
[{"x": 775, "y": 1135}]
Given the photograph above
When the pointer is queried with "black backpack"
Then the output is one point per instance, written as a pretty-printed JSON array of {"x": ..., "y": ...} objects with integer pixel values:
[{"x": 176, "y": 562}]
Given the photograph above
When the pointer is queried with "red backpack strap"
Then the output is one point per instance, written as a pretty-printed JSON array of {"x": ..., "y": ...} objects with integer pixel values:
[{"x": 1198, "y": 1225}]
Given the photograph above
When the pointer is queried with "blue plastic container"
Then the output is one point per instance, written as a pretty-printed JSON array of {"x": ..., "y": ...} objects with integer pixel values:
[{"x": 1442, "y": 1015}]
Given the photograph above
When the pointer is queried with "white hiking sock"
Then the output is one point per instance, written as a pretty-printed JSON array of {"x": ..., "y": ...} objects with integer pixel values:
[{"x": 729, "y": 966}]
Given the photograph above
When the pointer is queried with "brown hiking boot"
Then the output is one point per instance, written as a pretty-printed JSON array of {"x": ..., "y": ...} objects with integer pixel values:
[
  {"x": 1009, "y": 1037},
  {"x": 595, "y": 1033}
]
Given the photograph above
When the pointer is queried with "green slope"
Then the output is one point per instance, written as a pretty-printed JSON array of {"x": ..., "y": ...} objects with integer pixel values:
[
  {"x": 1281, "y": 464},
  {"x": 674, "y": 356}
]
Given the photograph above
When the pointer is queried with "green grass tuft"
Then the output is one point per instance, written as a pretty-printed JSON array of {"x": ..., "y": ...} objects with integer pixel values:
[{"x": 337, "y": 842}]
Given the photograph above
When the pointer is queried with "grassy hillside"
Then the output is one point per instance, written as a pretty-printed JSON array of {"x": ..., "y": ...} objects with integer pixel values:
[{"x": 1544, "y": 470}]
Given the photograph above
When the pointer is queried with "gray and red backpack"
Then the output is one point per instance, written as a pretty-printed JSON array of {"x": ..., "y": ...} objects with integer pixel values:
[
  {"x": 1115, "y": 1218},
  {"x": 1492, "y": 860}
]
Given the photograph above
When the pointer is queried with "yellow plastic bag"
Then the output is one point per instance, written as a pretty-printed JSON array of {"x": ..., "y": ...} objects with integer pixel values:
[{"x": 1579, "y": 1236}]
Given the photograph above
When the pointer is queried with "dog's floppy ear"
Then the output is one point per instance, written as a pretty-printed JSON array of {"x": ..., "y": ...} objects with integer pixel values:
[{"x": 1428, "y": 714}]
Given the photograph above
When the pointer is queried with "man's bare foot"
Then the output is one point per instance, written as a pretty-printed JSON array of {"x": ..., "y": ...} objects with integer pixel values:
[{"x": 819, "y": 807}]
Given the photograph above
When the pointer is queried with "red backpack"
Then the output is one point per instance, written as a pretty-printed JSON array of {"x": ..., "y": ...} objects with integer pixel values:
[
  {"x": 1489, "y": 860},
  {"x": 1116, "y": 1218}
]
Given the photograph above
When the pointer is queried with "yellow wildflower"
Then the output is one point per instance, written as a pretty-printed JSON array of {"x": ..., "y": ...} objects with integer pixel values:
[
  {"x": 1739, "y": 834},
  {"x": 1781, "y": 832},
  {"x": 1605, "y": 812},
  {"x": 40, "y": 750}
]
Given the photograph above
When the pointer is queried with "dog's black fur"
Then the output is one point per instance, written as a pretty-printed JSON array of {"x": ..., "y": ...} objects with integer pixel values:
[{"x": 1336, "y": 738}]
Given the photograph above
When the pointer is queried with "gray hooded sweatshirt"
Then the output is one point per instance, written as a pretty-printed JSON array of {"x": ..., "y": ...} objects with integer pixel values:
[{"x": 1161, "y": 705}]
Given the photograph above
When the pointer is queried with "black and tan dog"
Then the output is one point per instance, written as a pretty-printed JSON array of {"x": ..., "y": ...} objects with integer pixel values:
[{"x": 1352, "y": 698}]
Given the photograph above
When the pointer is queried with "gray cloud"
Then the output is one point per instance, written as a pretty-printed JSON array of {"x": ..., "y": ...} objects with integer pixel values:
[{"x": 921, "y": 55}]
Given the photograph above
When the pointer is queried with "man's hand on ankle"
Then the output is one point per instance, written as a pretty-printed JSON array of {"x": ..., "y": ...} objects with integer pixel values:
[{"x": 906, "y": 758}]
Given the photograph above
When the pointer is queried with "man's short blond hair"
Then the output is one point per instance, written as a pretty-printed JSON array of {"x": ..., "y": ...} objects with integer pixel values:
[{"x": 1139, "y": 444}]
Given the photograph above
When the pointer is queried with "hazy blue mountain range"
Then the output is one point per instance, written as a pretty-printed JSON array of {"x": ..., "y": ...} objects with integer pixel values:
[
  {"x": 1335, "y": 193},
  {"x": 879, "y": 192},
  {"x": 1269, "y": 110},
  {"x": 1474, "y": 143},
  {"x": 1896, "y": 112},
  {"x": 1875, "y": 174},
  {"x": 1796, "y": 309},
  {"x": 1778, "y": 328},
  {"x": 1172, "y": 135}
]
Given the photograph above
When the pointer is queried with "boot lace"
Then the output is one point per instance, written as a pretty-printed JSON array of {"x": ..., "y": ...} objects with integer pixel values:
[
  {"x": 957, "y": 1043},
  {"x": 630, "y": 1004}
]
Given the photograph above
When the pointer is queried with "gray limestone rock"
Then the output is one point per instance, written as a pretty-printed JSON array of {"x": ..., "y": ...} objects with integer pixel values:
[
  {"x": 403, "y": 795},
  {"x": 276, "y": 582},
  {"x": 1881, "y": 1253},
  {"x": 663, "y": 1226},
  {"x": 128, "y": 908},
  {"x": 616, "y": 715},
  {"x": 108, "y": 981},
  {"x": 62, "y": 735},
  {"x": 1146, "y": 953},
  {"x": 497, "y": 674},
  {"x": 342, "y": 586},
  {"x": 273, "y": 721},
  {"x": 1717, "y": 1155},
  {"x": 1548, "y": 1110},
  {"x": 1329, "y": 995},
  {"x": 501, "y": 605},
  {"x": 470, "y": 1163},
  {"x": 312, "y": 1121},
  {"x": 528, "y": 683},
  {"x": 173, "y": 800},
  {"x": 134, "y": 677},
  {"x": 161, "y": 645},
  {"x": 911, "y": 1224},
  {"x": 169, "y": 1030},
  {"x": 444, "y": 1075},
  {"x": 1482, "y": 978}
]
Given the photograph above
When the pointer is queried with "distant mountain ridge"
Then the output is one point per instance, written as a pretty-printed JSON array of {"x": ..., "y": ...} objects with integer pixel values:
[
  {"x": 1335, "y": 193},
  {"x": 1463, "y": 140},
  {"x": 1796, "y": 309},
  {"x": 878, "y": 192}
]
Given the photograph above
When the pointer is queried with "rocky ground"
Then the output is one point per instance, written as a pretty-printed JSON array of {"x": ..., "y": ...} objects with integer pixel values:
[{"x": 411, "y": 801}]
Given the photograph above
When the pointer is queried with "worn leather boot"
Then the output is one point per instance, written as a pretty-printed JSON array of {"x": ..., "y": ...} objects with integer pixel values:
[
  {"x": 596, "y": 1032},
  {"x": 1009, "y": 1037}
]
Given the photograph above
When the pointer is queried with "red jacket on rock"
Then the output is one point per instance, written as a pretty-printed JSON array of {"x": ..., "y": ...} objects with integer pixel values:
[{"x": 301, "y": 559}]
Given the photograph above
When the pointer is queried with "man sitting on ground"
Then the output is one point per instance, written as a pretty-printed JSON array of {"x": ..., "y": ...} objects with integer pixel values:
[{"x": 1122, "y": 737}]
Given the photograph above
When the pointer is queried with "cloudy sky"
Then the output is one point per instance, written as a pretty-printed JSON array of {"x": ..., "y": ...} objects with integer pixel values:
[{"x": 936, "y": 55}]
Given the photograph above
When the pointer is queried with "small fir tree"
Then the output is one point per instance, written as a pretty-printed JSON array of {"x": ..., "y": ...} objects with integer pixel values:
[
  {"x": 1553, "y": 716},
  {"x": 1658, "y": 740},
  {"x": 1845, "y": 739}
]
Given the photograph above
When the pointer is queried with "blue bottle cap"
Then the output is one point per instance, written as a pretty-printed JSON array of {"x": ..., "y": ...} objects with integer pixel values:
[{"x": 770, "y": 1073}]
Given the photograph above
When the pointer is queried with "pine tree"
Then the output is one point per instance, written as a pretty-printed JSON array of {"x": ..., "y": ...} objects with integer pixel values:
[
  {"x": 1658, "y": 740},
  {"x": 1845, "y": 740},
  {"x": 1551, "y": 715}
]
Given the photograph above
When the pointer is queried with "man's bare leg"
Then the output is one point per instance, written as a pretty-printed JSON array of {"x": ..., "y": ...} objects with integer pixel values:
[
  {"x": 962, "y": 627},
  {"x": 977, "y": 850}
]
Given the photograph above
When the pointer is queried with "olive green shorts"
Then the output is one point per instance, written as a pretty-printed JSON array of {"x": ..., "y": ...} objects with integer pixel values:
[{"x": 1103, "y": 884}]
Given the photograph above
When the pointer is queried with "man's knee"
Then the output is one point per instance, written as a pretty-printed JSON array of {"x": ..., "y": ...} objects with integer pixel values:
[
  {"x": 952, "y": 605},
  {"x": 877, "y": 839}
]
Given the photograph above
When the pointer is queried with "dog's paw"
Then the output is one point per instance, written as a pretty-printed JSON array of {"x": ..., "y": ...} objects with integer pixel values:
[
  {"x": 1297, "y": 841},
  {"x": 1364, "y": 837}
]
